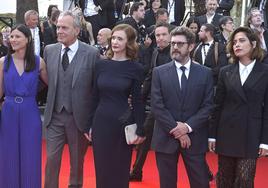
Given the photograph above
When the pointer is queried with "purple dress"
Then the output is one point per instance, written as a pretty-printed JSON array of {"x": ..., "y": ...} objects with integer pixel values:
[{"x": 20, "y": 130}]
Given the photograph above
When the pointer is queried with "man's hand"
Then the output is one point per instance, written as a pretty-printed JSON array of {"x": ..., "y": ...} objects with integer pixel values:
[
  {"x": 211, "y": 146},
  {"x": 179, "y": 130},
  {"x": 88, "y": 135},
  {"x": 185, "y": 141}
]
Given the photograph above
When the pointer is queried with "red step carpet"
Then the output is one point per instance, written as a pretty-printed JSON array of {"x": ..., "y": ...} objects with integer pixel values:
[{"x": 150, "y": 175}]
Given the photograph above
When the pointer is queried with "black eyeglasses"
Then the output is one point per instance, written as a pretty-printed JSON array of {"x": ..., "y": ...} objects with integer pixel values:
[{"x": 179, "y": 44}]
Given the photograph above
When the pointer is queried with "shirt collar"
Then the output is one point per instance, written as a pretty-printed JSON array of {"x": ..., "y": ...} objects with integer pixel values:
[
  {"x": 73, "y": 47},
  {"x": 187, "y": 65},
  {"x": 249, "y": 66}
]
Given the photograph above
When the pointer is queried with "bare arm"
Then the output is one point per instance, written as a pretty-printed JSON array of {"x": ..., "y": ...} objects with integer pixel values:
[
  {"x": 89, "y": 29},
  {"x": 1, "y": 76},
  {"x": 43, "y": 71}
]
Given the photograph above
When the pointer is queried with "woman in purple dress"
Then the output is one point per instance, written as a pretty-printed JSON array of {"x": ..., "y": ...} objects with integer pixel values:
[{"x": 20, "y": 128}]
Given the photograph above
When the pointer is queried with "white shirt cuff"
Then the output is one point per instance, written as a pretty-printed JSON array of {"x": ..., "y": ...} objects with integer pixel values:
[
  {"x": 211, "y": 139},
  {"x": 189, "y": 128},
  {"x": 264, "y": 146}
]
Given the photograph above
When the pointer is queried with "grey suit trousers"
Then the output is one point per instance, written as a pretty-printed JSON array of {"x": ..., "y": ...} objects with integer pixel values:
[{"x": 61, "y": 130}]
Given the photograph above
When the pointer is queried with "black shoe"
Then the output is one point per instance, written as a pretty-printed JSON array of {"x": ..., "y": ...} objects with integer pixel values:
[
  {"x": 210, "y": 176},
  {"x": 135, "y": 177}
]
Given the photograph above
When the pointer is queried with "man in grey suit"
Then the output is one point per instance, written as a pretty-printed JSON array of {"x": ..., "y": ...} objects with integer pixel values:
[
  {"x": 70, "y": 66},
  {"x": 181, "y": 102}
]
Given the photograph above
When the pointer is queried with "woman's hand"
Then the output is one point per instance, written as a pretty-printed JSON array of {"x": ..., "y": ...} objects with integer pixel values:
[{"x": 139, "y": 140}]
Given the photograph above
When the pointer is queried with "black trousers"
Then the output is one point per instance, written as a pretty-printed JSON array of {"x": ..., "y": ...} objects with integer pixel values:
[
  {"x": 195, "y": 166},
  {"x": 235, "y": 172},
  {"x": 143, "y": 148}
]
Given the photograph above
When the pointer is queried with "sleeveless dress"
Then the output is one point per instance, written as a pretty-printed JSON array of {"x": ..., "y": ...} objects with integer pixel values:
[{"x": 20, "y": 130}]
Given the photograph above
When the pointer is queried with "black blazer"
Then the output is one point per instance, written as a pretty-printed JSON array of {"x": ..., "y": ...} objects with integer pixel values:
[
  {"x": 240, "y": 118},
  {"x": 179, "y": 10},
  {"x": 105, "y": 5},
  {"x": 215, "y": 21},
  {"x": 169, "y": 106},
  {"x": 210, "y": 60}
]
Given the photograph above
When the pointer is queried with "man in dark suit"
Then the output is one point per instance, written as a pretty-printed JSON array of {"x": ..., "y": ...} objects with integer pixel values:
[
  {"x": 100, "y": 13},
  {"x": 210, "y": 53},
  {"x": 70, "y": 66},
  {"x": 176, "y": 10},
  {"x": 160, "y": 55},
  {"x": 211, "y": 16},
  {"x": 181, "y": 102},
  {"x": 136, "y": 13}
]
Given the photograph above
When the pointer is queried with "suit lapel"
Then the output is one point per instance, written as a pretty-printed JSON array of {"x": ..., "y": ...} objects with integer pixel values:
[
  {"x": 192, "y": 78},
  {"x": 209, "y": 56},
  {"x": 254, "y": 76},
  {"x": 174, "y": 78},
  {"x": 235, "y": 81},
  {"x": 78, "y": 63},
  {"x": 55, "y": 66},
  {"x": 154, "y": 57}
]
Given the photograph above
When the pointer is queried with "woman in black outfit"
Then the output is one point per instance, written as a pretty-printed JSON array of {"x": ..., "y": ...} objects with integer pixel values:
[
  {"x": 239, "y": 124},
  {"x": 116, "y": 78}
]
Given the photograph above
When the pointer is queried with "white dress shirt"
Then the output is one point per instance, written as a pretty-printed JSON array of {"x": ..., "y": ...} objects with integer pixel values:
[
  {"x": 71, "y": 53},
  {"x": 186, "y": 72},
  {"x": 244, "y": 71},
  {"x": 36, "y": 40},
  {"x": 204, "y": 51}
]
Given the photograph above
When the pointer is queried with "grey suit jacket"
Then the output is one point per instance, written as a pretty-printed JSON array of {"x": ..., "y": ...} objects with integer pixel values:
[
  {"x": 169, "y": 106},
  {"x": 84, "y": 60}
]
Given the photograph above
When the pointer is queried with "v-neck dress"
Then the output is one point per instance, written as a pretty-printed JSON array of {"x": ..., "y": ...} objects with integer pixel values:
[{"x": 20, "y": 130}]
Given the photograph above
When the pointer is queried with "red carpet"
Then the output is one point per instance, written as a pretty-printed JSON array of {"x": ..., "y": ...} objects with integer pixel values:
[{"x": 150, "y": 175}]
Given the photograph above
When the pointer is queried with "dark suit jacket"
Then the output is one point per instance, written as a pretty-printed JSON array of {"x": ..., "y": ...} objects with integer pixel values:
[
  {"x": 179, "y": 10},
  {"x": 240, "y": 118},
  {"x": 84, "y": 60},
  {"x": 169, "y": 106},
  {"x": 215, "y": 21},
  {"x": 106, "y": 6},
  {"x": 210, "y": 59},
  {"x": 225, "y": 6}
]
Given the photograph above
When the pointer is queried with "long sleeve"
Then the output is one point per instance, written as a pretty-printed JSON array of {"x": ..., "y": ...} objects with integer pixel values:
[
  {"x": 138, "y": 104},
  {"x": 94, "y": 98}
]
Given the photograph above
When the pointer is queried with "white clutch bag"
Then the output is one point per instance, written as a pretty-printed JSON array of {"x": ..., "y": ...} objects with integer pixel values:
[{"x": 130, "y": 133}]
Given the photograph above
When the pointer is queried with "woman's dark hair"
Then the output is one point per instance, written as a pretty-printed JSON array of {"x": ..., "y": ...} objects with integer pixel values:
[
  {"x": 131, "y": 47},
  {"x": 223, "y": 21},
  {"x": 151, "y": 2},
  {"x": 257, "y": 52},
  {"x": 29, "y": 57},
  {"x": 49, "y": 10},
  {"x": 193, "y": 20}
]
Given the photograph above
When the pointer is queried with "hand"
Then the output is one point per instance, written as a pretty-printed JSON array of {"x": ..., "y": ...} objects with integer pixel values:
[
  {"x": 263, "y": 152},
  {"x": 211, "y": 146},
  {"x": 179, "y": 130},
  {"x": 185, "y": 141},
  {"x": 139, "y": 140},
  {"x": 147, "y": 42},
  {"x": 88, "y": 135},
  {"x": 129, "y": 101},
  {"x": 97, "y": 8}
]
